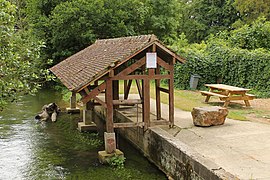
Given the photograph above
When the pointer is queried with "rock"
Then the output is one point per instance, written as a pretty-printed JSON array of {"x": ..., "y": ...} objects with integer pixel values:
[
  {"x": 54, "y": 116},
  {"x": 209, "y": 116}
]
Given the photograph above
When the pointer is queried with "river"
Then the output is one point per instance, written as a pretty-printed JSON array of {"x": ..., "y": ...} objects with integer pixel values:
[{"x": 33, "y": 150}]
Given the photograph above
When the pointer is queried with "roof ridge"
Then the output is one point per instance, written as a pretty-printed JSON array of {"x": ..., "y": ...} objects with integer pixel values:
[{"x": 151, "y": 37}]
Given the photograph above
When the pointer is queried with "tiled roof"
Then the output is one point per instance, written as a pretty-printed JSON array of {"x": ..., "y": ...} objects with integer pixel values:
[{"x": 83, "y": 67}]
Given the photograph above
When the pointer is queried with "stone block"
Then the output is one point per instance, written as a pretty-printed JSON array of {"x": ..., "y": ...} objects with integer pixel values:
[
  {"x": 110, "y": 142},
  {"x": 104, "y": 157},
  {"x": 82, "y": 127},
  {"x": 209, "y": 116}
]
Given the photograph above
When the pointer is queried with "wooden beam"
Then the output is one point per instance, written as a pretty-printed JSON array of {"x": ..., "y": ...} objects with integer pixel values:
[
  {"x": 170, "y": 52},
  {"x": 126, "y": 93},
  {"x": 109, "y": 102},
  {"x": 164, "y": 64},
  {"x": 102, "y": 103},
  {"x": 127, "y": 101},
  {"x": 127, "y": 77},
  {"x": 171, "y": 98},
  {"x": 163, "y": 90},
  {"x": 132, "y": 67},
  {"x": 94, "y": 92},
  {"x": 146, "y": 103},
  {"x": 128, "y": 124},
  {"x": 139, "y": 87}
]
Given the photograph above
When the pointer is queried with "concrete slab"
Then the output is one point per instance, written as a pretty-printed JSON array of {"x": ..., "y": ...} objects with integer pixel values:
[{"x": 241, "y": 148}]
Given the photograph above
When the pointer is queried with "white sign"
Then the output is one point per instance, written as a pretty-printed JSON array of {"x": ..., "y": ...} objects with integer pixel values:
[{"x": 151, "y": 60}]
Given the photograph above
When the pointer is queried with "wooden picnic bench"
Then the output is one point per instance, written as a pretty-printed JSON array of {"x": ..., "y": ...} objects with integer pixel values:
[{"x": 227, "y": 93}]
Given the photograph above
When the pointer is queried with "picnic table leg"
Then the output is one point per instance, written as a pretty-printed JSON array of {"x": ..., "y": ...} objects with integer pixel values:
[
  {"x": 226, "y": 103},
  {"x": 207, "y": 98},
  {"x": 247, "y": 103}
]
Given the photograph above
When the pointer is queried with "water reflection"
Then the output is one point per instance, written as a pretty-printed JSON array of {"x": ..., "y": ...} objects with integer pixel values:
[{"x": 33, "y": 150}]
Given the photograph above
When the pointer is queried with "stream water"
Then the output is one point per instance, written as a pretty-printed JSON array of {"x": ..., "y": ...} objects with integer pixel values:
[{"x": 33, "y": 150}]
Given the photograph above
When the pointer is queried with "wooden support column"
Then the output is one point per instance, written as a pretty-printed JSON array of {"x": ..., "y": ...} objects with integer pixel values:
[
  {"x": 158, "y": 106},
  {"x": 109, "y": 102},
  {"x": 171, "y": 95},
  {"x": 116, "y": 92},
  {"x": 125, "y": 88},
  {"x": 73, "y": 100},
  {"x": 146, "y": 103}
]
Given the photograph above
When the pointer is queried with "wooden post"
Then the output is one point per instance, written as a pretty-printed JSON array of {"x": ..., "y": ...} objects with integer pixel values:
[
  {"x": 116, "y": 92},
  {"x": 158, "y": 106},
  {"x": 171, "y": 96},
  {"x": 109, "y": 102},
  {"x": 146, "y": 103},
  {"x": 73, "y": 100},
  {"x": 125, "y": 89}
]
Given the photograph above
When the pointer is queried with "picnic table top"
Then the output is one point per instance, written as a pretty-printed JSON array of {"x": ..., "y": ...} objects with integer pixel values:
[{"x": 226, "y": 87}]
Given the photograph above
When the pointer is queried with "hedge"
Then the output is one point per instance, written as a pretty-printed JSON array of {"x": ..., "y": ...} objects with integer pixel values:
[{"x": 234, "y": 66}]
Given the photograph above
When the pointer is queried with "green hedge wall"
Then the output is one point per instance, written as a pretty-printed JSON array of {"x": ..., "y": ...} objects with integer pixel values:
[{"x": 235, "y": 66}]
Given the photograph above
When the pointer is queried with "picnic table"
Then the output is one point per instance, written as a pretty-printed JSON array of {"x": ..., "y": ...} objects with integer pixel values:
[{"x": 227, "y": 93}]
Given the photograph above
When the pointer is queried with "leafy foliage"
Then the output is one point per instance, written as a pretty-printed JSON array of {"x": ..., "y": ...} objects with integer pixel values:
[
  {"x": 234, "y": 64},
  {"x": 20, "y": 65},
  {"x": 117, "y": 161}
]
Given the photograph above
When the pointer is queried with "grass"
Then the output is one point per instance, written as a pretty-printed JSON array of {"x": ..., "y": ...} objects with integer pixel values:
[{"x": 187, "y": 99}]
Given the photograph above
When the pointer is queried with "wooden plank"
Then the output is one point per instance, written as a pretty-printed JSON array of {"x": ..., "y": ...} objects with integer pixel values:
[
  {"x": 102, "y": 103},
  {"x": 235, "y": 98},
  {"x": 166, "y": 76},
  {"x": 128, "y": 124},
  {"x": 146, "y": 103},
  {"x": 208, "y": 93},
  {"x": 164, "y": 64},
  {"x": 139, "y": 87},
  {"x": 94, "y": 92},
  {"x": 109, "y": 102},
  {"x": 127, "y": 101},
  {"x": 126, "y": 93}
]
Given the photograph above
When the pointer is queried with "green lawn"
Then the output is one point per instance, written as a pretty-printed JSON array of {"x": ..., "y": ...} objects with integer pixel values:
[{"x": 186, "y": 100}]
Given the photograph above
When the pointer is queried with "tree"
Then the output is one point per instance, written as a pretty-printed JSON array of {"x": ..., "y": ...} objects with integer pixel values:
[
  {"x": 250, "y": 10},
  {"x": 204, "y": 17},
  {"x": 20, "y": 65}
]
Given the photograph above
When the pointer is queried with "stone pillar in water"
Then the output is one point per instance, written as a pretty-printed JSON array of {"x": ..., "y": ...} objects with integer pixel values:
[
  {"x": 73, "y": 102},
  {"x": 110, "y": 142},
  {"x": 87, "y": 117}
]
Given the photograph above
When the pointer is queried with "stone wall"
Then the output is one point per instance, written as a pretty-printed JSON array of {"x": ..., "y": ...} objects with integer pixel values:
[{"x": 169, "y": 154}]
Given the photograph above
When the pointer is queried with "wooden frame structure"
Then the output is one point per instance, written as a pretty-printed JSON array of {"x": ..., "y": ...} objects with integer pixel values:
[{"x": 133, "y": 68}]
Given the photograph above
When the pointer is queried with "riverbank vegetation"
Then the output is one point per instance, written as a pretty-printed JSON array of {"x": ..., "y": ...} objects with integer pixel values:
[{"x": 222, "y": 40}]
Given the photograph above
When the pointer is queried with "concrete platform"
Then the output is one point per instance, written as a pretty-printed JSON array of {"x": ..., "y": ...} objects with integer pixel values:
[
  {"x": 241, "y": 148},
  {"x": 235, "y": 150}
]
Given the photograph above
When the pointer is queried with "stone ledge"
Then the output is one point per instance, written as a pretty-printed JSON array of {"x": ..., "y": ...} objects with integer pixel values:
[{"x": 82, "y": 127}]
